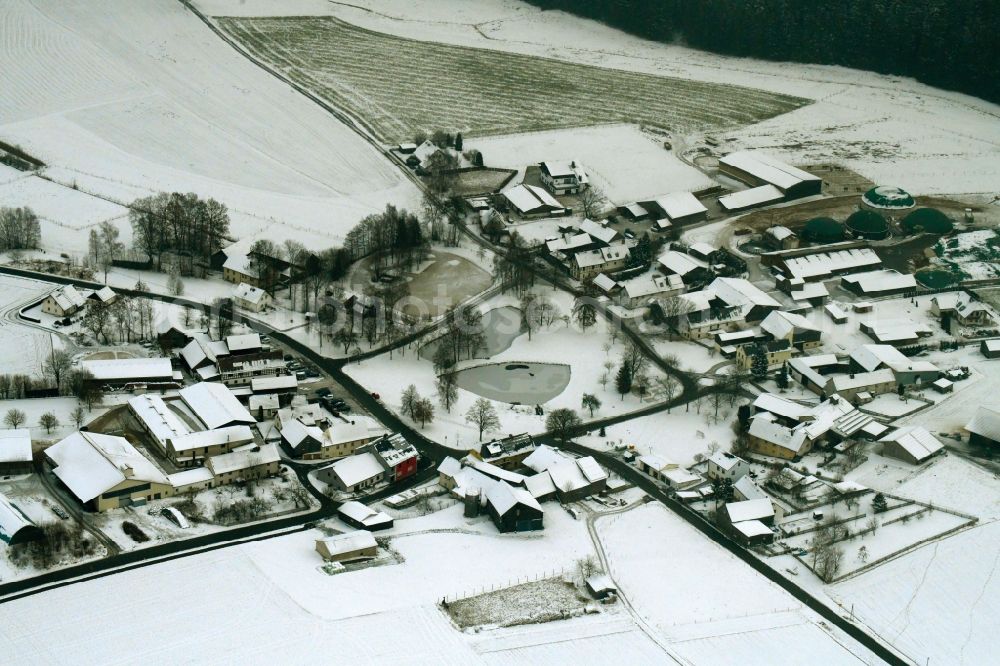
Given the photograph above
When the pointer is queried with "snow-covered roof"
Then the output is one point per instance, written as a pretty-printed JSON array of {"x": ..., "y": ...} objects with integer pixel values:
[
  {"x": 359, "y": 427},
  {"x": 755, "y": 196},
  {"x": 196, "y": 352},
  {"x": 834, "y": 310},
  {"x": 239, "y": 263},
  {"x": 598, "y": 231},
  {"x": 572, "y": 474},
  {"x": 681, "y": 478},
  {"x": 527, "y": 198},
  {"x": 827, "y": 263},
  {"x": 365, "y": 515},
  {"x": 12, "y": 519},
  {"x": 604, "y": 283},
  {"x": 636, "y": 210},
  {"x": 702, "y": 248},
  {"x": 992, "y": 345},
  {"x": 680, "y": 204},
  {"x": 249, "y": 293},
  {"x": 725, "y": 460},
  {"x": 897, "y": 330},
  {"x": 504, "y": 497},
  {"x": 748, "y": 489},
  {"x": 90, "y": 463},
  {"x": 492, "y": 471},
  {"x": 739, "y": 292},
  {"x": 215, "y": 405},
  {"x": 243, "y": 342},
  {"x": 208, "y": 372},
  {"x": 449, "y": 466},
  {"x": 752, "y": 528},
  {"x": 782, "y": 324},
  {"x": 754, "y": 509},
  {"x": 137, "y": 369},
  {"x": 767, "y": 168},
  {"x": 15, "y": 445},
  {"x": 872, "y": 357},
  {"x": 540, "y": 485},
  {"x": 243, "y": 459},
  {"x": 780, "y": 233},
  {"x": 985, "y": 423},
  {"x": 544, "y": 457},
  {"x": 273, "y": 383},
  {"x": 861, "y": 380},
  {"x": 601, "y": 256},
  {"x": 560, "y": 169},
  {"x": 352, "y": 470},
  {"x": 68, "y": 298},
  {"x": 190, "y": 476},
  {"x": 562, "y": 244},
  {"x": 915, "y": 440},
  {"x": 651, "y": 284},
  {"x": 809, "y": 290},
  {"x": 349, "y": 542},
  {"x": 105, "y": 294},
  {"x": 658, "y": 463},
  {"x": 678, "y": 262},
  {"x": 779, "y": 406},
  {"x": 777, "y": 434},
  {"x": 880, "y": 281},
  {"x": 161, "y": 421},
  {"x": 235, "y": 435}
]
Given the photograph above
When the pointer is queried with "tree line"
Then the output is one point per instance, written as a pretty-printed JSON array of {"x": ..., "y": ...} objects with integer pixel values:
[
  {"x": 176, "y": 222},
  {"x": 950, "y": 44},
  {"x": 19, "y": 229}
]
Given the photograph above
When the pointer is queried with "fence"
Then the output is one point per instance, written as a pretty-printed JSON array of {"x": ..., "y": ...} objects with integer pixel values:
[{"x": 489, "y": 589}]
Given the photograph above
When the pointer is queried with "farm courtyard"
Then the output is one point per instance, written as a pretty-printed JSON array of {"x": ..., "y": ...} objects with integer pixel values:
[{"x": 400, "y": 86}]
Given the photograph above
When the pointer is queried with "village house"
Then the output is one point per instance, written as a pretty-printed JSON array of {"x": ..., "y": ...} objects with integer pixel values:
[
  {"x": 244, "y": 464},
  {"x": 347, "y": 547},
  {"x": 912, "y": 444},
  {"x": 796, "y": 329},
  {"x": 353, "y": 473},
  {"x": 749, "y": 522},
  {"x": 786, "y": 412},
  {"x": 690, "y": 270},
  {"x": 242, "y": 370},
  {"x": 513, "y": 509},
  {"x": 563, "y": 177},
  {"x": 106, "y": 472},
  {"x": 777, "y": 441},
  {"x": 745, "y": 489},
  {"x": 395, "y": 454},
  {"x": 15, "y": 452},
  {"x": 639, "y": 291},
  {"x": 813, "y": 371},
  {"x": 776, "y": 352},
  {"x": 586, "y": 265},
  {"x": 574, "y": 478},
  {"x": 727, "y": 342},
  {"x": 105, "y": 296},
  {"x": 725, "y": 465},
  {"x": 507, "y": 452},
  {"x": 238, "y": 270},
  {"x": 65, "y": 301},
  {"x": 250, "y": 298},
  {"x": 655, "y": 466},
  {"x": 851, "y": 385},
  {"x": 194, "y": 448}
]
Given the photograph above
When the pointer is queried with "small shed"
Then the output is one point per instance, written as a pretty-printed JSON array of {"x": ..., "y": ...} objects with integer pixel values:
[
  {"x": 601, "y": 586},
  {"x": 943, "y": 385},
  {"x": 990, "y": 348},
  {"x": 347, "y": 547}
]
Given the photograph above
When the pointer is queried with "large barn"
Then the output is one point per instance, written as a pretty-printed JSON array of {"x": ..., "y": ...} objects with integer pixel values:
[{"x": 758, "y": 170}]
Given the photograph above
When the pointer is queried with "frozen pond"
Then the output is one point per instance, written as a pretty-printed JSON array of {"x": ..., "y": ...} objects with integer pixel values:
[
  {"x": 501, "y": 326},
  {"x": 525, "y": 383}
]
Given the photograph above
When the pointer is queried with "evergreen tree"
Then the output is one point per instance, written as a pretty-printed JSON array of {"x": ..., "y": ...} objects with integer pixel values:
[
  {"x": 758, "y": 362},
  {"x": 623, "y": 380}
]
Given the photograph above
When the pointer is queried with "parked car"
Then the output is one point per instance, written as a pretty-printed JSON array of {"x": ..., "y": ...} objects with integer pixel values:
[
  {"x": 628, "y": 233},
  {"x": 323, "y": 392},
  {"x": 58, "y": 510}
]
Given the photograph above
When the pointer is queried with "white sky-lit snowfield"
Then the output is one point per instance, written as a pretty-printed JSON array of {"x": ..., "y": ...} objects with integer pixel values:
[{"x": 127, "y": 98}]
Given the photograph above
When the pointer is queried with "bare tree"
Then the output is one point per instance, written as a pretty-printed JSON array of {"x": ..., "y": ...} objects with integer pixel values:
[
  {"x": 15, "y": 418},
  {"x": 78, "y": 415},
  {"x": 592, "y": 201},
  {"x": 483, "y": 415},
  {"x": 57, "y": 366},
  {"x": 423, "y": 411},
  {"x": 562, "y": 423},
  {"x": 48, "y": 420}
]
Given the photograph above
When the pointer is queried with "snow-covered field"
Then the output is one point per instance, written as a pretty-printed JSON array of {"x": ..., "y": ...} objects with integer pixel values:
[
  {"x": 625, "y": 163},
  {"x": 707, "y": 604},
  {"x": 23, "y": 349},
  {"x": 891, "y": 130},
  {"x": 938, "y": 604},
  {"x": 141, "y": 97}
]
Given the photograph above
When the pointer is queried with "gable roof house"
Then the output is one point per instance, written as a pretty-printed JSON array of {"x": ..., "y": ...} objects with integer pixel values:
[
  {"x": 238, "y": 270},
  {"x": 106, "y": 472},
  {"x": 907, "y": 371},
  {"x": 776, "y": 352},
  {"x": 529, "y": 201},
  {"x": 507, "y": 452},
  {"x": 639, "y": 291},
  {"x": 250, "y": 298},
  {"x": 773, "y": 439},
  {"x": 215, "y": 405},
  {"x": 690, "y": 270},
  {"x": 363, "y": 517},
  {"x": 796, "y": 329},
  {"x": 758, "y": 169},
  {"x": 513, "y": 509},
  {"x": 725, "y": 465},
  {"x": 563, "y": 177},
  {"x": 63, "y": 302},
  {"x": 105, "y": 295},
  {"x": 912, "y": 444},
  {"x": 849, "y": 386},
  {"x": 347, "y": 547},
  {"x": 586, "y": 265}
]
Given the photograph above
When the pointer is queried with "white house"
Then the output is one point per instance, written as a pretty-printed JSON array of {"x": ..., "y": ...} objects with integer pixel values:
[
  {"x": 250, "y": 298},
  {"x": 63, "y": 302},
  {"x": 724, "y": 465},
  {"x": 563, "y": 177}
]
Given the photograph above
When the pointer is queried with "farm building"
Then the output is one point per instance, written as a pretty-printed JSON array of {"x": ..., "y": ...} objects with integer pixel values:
[
  {"x": 353, "y": 473},
  {"x": 764, "y": 195},
  {"x": 507, "y": 452},
  {"x": 812, "y": 371},
  {"x": 880, "y": 283},
  {"x": 563, "y": 177},
  {"x": 773, "y": 439},
  {"x": 15, "y": 452},
  {"x": 757, "y": 169},
  {"x": 215, "y": 406},
  {"x": 117, "y": 372},
  {"x": 634, "y": 211},
  {"x": 529, "y": 201},
  {"x": 796, "y": 329},
  {"x": 250, "y": 298},
  {"x": 347, "y": 547},
  {"x": 202, "y": 352},
  {"x": 895, "y": 332},
  {"x": 724, "y": 465},
  {"x": 745, "y": 489},
  {"x": 248, "y": 462},
  {"x": 823, "y": 230},
  {"x": 868, "y": 358},
  {"x": 782, "y": 237},
  {"x": 241, "y": 370},
  {"x": 688, "y": 268},
  {"x": 753, "y": 303},
  {"x": 815, "y": 266},
  {"x": 193, "y": 448},
  {"x": 105, "y": 295},
  {"x": 274, "y": 385},
  {"x": 244, "y": 343},
  {"x": 363, "y": 517},
  {"x": 681, "y": 208},
  {"x": 868, "y": 225},
  {"x": 157, "y": 420},
  {"x": 849, "y": 386},
  {"x": 912, "y": 444},
  {"x": 990, "y": 348},
  {"x": 63, "y": 302},
  {"x": 106, "y": 472},
  {"x": 836, "y": 314},
  {"x": 238, "y": 270},
  {"x": 15, "y": 526},
  {"x": 984, "y": 428},
  {"x": 263, "y": 406},
  {"x": 887, "y": 198},
  {"x": 752, "y": 533},
  {"x": 785, "y": 411},
  {"x": 513, "y": 509}
]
